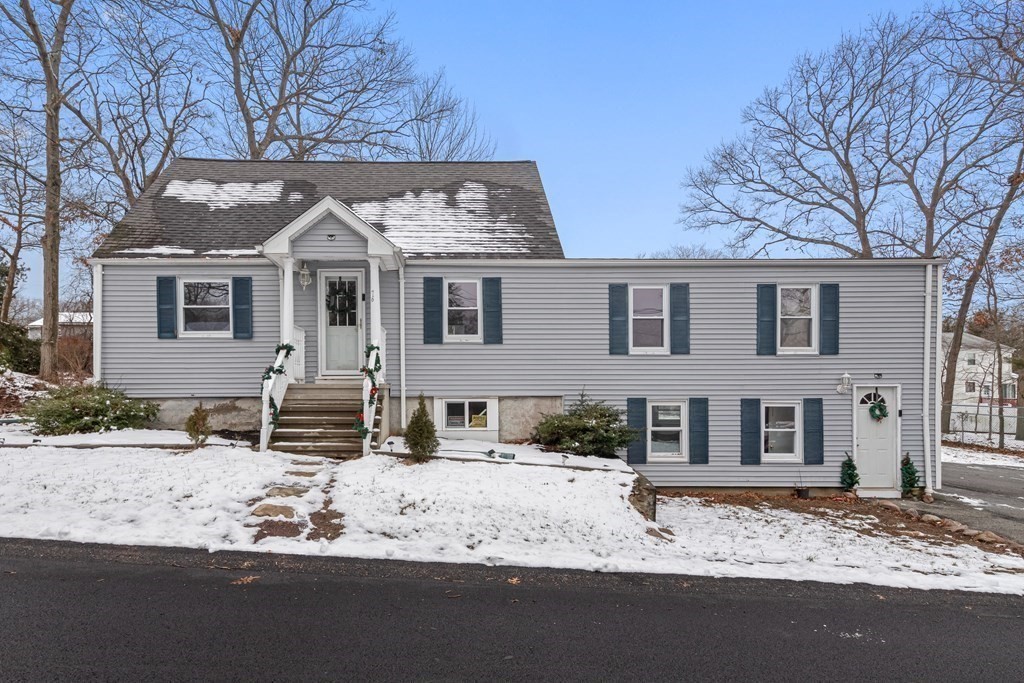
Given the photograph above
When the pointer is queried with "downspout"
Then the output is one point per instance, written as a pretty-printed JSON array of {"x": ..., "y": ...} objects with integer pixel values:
[
  {"x": 926, "y": 425},
  {"x": 938, "y": 376},
  {"x": 401, "y": 339},
  {"x": 97, "y": 322}
]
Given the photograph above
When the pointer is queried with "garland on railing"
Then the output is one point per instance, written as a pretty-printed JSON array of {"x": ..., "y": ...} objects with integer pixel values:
[
  {"x": 275, "y": 413},
  {"x": 360, "y": 426},
  {"x": 372, "y": 373},
  {"x": 286, "y": 347}
]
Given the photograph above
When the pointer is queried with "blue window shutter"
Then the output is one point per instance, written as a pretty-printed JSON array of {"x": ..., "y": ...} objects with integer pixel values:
[
  {"x": 750, "y": 431},
  {"x": 636, "y": 418},
  {"x": 433, "y": 310},
  {"x": 828, "y": 295},
  {"x": 679, "y": 309},
  {"x": 814, "y": 432},
  {"x": 492, "y": 310},
  {"x": 766, "y": 320},
  {"x": 241, "y": 307},
  {"x": 698, "y": 431},
  {"x": 167, "y": 307},
  {"x": 618, "y": 320}
]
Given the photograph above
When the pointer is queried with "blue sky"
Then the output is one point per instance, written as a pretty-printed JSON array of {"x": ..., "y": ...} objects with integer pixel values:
[{"x": 614, "y": 105}]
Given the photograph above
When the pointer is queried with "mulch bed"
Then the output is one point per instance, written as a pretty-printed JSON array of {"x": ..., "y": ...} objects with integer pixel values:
[
  {"x": 885, "y": 520},
  {"x": 279, "y": 528}
]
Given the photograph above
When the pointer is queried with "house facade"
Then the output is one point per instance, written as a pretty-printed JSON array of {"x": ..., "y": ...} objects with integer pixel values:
[
  {"x": 978, "y": 373},
  {"x": 735, "y": 373}
]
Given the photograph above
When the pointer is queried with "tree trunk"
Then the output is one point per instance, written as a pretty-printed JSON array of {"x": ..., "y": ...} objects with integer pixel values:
[
  {"x": 1019, "y": 432},
  {"x": 51, "y": 238},
  {"x": 11, "y": 281}
]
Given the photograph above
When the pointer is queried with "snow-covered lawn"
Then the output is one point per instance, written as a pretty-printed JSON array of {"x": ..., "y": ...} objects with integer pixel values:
[
  {"x": 970, "y": 456},
  {"x": 451, "y": 511},
  {"x": 970, "y": 439},
  {"x": 470, "y": 449},
  {"x": 14, "y": 434}
]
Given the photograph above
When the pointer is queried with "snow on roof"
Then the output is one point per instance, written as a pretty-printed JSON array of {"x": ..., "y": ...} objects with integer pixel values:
[
  {"x": 68, "y": 318},
  {"x": 227, "y": 195},
  {"x": 251, "y": 251},
  {"x": 435, "y": 223},
  {"x": 160, "y": 250}
]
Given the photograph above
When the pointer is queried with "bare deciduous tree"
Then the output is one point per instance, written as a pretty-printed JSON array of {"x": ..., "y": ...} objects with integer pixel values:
[
  {"x": 21, "y": 199},
  {"x": 442, "y": 126}
]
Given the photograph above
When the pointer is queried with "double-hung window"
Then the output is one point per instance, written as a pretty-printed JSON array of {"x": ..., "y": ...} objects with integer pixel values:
[
  {"x": 647, "y": 328},
  {"x": 780, "y": 431},
  {"x": 972, "y": 359},
  {"x": 970, "y": 387},
  {"x": 797, "y": 308},
  {"x": 666, "y": 431},
  {"x": 462, "y": 310},
  {"x": 205, "y": 307}
]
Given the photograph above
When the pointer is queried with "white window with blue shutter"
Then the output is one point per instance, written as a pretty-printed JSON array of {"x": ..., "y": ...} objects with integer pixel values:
[
  {"x": 782, "y": 431},
  {"x": 648, "y": 320},
  {"x": 204, "y": 307},
  {"x": 798, "y": 319},
  {"x": 462, "y": 310},
  {"x": 668, "y": 431}
]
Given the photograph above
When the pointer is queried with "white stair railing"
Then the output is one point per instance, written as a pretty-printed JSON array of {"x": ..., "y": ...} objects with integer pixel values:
[
  {"x": 372, "y": 372},
  {"x": 275, "y": 384}
]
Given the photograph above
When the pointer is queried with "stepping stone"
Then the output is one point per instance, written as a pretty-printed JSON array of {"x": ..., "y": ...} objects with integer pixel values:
[
  {"x": 286, "y": 491},
  {"x": 271, "y": 510},
  {"x": 301, "y": 473},
  {"x": 307, "y": 463}
]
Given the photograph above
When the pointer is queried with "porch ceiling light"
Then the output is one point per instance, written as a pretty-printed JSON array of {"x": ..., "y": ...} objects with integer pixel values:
[
  {"x": 845, "y": 384},
  {"x": 305, "y": 278}
]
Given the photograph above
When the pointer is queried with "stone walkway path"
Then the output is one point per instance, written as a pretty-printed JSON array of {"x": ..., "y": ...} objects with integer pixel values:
[{"x": 278, "y": 513}]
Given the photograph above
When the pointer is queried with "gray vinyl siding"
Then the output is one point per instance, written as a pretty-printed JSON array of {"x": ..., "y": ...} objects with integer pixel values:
[
  {"x": 556, "y": 343},
  {"x": 314, "y": 244},
  {"x": 135, "y": 360}
]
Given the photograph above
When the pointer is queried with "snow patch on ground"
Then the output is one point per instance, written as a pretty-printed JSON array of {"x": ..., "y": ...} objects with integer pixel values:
[
  {"x": 436, "y": 223},
  {"x": 969, "y": 439},
  {"x": 525, "y": 454},
  {"x": 224, "y": 195},
  {"x": 967, "y": 456},
  {"x": 447, "y": 511},
  {"x": 23, "y": 386},
  {"x": 22, "y": 434}
]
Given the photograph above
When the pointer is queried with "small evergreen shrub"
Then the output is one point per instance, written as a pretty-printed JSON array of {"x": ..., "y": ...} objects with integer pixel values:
[
  {"x": 197, "y": 426},
  {"x": 848, "y": 476},
  {"x": 87, "y": 408},
  {"x": 588, "y": 427},
  {"x": 420, "y": 435},
  {"x": 909, "y": 479},
  {"x": 17, "y": 351}
]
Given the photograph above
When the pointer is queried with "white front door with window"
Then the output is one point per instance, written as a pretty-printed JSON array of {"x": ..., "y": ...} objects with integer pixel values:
[
  {"x": 341, "y": 322},
  {"x": 877, "y": 437}
]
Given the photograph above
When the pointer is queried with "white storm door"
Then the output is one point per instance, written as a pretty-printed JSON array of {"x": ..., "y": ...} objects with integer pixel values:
[
  {"x": 341, "y": 322},
  {"x": 877, "y": 456}
]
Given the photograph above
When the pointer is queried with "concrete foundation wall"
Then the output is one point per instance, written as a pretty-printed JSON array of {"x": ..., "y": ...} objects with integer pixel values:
[
  {"x": 236, "y": 414},
  {"x": 517, "y": 415}
]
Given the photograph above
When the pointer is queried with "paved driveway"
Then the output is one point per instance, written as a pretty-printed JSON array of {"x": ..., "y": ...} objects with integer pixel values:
[{"x": 985, "y": 497}]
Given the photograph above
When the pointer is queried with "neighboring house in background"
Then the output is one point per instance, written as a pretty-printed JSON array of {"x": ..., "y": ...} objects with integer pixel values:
[
  {"x": 70, "y": 324},
  {"x": 735, "y": 373},
  {"x": 977, "y": 372}
]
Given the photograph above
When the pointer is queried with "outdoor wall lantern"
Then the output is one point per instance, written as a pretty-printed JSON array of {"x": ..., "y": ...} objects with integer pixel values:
[
  {"x": 845, "y": 383},
  {"x": 305, "y": 279}
]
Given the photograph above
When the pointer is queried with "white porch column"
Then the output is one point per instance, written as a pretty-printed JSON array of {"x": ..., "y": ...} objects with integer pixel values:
[
  {"x": 375, "y": 326},
  {"x": 288, "y": 302}
]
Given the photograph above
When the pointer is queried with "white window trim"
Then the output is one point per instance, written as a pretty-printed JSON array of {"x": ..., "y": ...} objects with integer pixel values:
[
  {"x": 779, "y": 348},
  {"x": 466, "y": 338},
  {"x": 650, "y": 350},
  {"x": 439, "y": 414},
  {"x": 182, "y": 332},
  {"x": 798, "y": 439},
  {"x": 684, "y": 433}
]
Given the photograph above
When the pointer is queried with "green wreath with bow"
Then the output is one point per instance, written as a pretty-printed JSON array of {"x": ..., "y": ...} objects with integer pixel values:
[{"x": 878, "y": 411}]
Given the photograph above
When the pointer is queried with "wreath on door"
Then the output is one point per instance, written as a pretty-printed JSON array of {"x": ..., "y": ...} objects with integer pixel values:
[{"x": 876, "y": 406}]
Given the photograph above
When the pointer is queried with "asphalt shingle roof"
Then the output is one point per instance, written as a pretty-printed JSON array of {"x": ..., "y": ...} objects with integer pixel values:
[{"x": 218, "y": 208}]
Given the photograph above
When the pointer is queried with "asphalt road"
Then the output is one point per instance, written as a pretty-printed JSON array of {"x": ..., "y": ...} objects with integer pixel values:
[
  {"x": 80, "y": 612},
  {"x": 985, "y": 497}
]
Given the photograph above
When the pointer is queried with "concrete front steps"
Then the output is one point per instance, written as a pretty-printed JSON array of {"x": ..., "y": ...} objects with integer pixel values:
[{"x": 317, "y": 419}]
